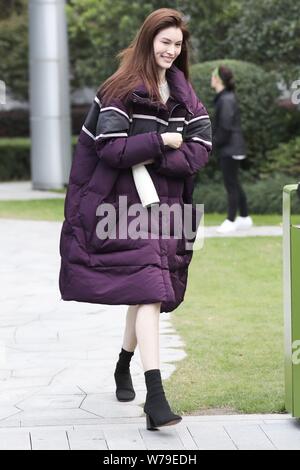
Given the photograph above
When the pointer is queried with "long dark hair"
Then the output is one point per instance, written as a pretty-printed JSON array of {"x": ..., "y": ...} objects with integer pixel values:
[
  {"x": 226, "y": 75},
  {"x": 138, "y": 61}
]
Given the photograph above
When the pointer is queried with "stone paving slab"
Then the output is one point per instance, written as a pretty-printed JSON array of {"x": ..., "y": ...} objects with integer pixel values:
[{"x": 222, "y": 432}]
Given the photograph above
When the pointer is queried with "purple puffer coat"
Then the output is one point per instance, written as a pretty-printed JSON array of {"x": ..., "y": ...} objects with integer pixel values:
[{"x": 113, "y": 138}]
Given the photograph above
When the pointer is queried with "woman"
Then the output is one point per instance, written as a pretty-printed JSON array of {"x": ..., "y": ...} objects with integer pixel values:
[
  {"x": 146, "y": 112},
  {"x": 229, "y": 144}
]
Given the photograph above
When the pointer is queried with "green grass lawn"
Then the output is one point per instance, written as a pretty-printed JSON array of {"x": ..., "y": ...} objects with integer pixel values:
[
  {"x": 232, "y": 324},
  {"x": 35, "y": 209}
]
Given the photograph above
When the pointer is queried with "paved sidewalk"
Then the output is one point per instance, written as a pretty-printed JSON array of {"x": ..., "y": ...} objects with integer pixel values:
[
  {"x": 22, "y": 190},
  {"x": 236, "y": 432},
  {"x": 255, "y": 231}
]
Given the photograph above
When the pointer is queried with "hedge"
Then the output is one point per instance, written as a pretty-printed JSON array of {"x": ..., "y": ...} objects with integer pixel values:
[
  {"x": 264, "y": 197},
  {"x": 16, "y": 122},
  {"x": 15, "y": 158},
  {"x": 284, "y": 159}
]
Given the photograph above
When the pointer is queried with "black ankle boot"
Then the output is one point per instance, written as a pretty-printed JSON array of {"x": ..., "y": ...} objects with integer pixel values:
[
  {"x": 157, "y": 409},
  {"x": 124, "y": 391}
]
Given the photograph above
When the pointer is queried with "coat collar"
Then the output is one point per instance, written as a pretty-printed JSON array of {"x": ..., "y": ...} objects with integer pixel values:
[{"x": 179, "y": 89}]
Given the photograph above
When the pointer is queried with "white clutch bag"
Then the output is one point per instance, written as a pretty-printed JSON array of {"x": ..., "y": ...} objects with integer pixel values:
[{"x": 144, "y": 185}]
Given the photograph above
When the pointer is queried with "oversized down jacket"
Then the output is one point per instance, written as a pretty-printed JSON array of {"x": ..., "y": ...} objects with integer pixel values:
[{"x": 114, "y": 137}]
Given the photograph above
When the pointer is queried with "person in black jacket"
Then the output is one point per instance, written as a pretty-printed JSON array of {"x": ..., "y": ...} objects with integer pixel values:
[{"x": 229, "y": 144}]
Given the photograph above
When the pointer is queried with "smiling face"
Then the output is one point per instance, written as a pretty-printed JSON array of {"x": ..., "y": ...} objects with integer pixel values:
[{"x": 167, "y": 46}]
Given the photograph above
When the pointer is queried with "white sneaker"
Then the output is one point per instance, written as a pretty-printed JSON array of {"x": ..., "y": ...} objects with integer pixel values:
[
  {"x": 243, "y": 223},
  {"x": 226, "y": 227}
]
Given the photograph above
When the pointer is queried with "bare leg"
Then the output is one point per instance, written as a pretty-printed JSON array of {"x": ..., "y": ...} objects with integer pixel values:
[
  {"x": 130, "y": 340},
  {"x": 147, "y": 333}
]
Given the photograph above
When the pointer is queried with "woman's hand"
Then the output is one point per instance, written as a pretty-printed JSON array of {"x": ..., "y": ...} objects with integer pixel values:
[{"x": 172, "y": 139}]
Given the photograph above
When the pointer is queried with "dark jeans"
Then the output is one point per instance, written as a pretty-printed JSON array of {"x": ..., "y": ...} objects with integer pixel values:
[{"x": 235, "y": 193}]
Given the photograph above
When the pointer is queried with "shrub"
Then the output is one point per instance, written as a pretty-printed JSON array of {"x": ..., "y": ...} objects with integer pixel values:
[
  {"x": 284, "y": 159},
  {"x": 15, "y": 158},
  {"x": 264, "y": 197},
  {"x": 16, "y": 122}
]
